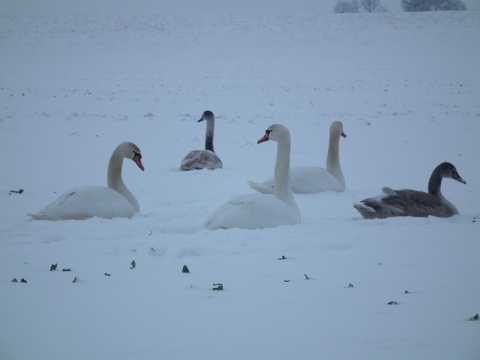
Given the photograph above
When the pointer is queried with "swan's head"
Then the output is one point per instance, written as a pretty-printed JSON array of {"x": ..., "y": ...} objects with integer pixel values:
[
  {"x": 447, "y": 170},
  {"x": 207, "y": 115},
  {"x": 131, "y": 151},
  {"x": 275, "y": 132},
  {"x": 337, "y": 129}
]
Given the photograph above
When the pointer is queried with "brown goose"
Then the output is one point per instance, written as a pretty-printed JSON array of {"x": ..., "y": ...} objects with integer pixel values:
[{"x": 415, "y": 203}]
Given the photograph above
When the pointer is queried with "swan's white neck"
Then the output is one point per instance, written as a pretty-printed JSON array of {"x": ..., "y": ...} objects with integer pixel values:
[
  {"x": 282, "y": 189},
  {"x": 333, "y": 158},
  {"x": 114, "y": 177}
]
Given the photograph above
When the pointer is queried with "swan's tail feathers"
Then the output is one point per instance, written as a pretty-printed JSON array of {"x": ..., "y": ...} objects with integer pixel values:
[
  {"x": 377, "y": 209},
  {"x": 35, "y": 216},
  {"x": 261, "y": 188},
  {"x": 40, "y": 216},
  {"x": 389, "y": 192},
  {"x": 366, "y": 211}
]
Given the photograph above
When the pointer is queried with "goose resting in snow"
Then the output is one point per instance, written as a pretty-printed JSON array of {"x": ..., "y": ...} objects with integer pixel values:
[
  {"x": 258, "y": 211},
  {"x": 412, "y": 202},
  {"x": 105, "y": 202},
  {"x": 313, "y": 179},
  {"x": 200, "y": 159}
]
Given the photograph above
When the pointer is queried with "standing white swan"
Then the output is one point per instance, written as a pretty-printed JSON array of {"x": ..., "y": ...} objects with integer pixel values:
[
  {"x": 105, "y": 202},
  {"x": 313, "y": 179},
  {"x": 415, "y": 203},
  {"x": 258, "y": 211},
  {"x": 201, "y": 159}
]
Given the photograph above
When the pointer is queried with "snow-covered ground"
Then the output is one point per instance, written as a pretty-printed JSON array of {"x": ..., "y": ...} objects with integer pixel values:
[{"x": 405, "y": 86}]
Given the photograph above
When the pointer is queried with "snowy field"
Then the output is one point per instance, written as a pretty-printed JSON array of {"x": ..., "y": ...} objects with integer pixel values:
[{"x": 405, "y": 86}]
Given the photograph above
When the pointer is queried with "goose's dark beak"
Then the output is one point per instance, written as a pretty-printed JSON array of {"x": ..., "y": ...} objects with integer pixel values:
[{"x": 457, "y": 177}]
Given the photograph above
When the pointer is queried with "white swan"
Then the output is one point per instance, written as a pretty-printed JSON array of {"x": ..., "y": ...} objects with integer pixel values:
[
  {"x": 105, "y": 202},
  {"x": 201, "y": 159},
  {"x": 412, "y": 202},
  {"x": 258, "y": 211},
  {"x": 313, "y": 179}
]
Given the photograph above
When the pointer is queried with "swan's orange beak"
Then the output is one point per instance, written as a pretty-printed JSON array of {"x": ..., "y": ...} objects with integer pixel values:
[
  {"x": 138, "y": 160},
  {"x": 264, "y": 138}
]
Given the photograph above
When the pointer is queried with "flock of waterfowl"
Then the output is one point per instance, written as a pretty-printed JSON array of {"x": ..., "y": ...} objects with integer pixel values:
[{"x": 274, "y": 205}]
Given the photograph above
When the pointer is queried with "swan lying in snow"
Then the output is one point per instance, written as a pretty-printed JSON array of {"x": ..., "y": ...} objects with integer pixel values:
[
  {"x": 257, "y": 211},
  {"x": 200, "y": 159},
  {"x": 313, "y": 179},
  {"x": 412, "y": 202},
  {"x": 105, "y": 202}
]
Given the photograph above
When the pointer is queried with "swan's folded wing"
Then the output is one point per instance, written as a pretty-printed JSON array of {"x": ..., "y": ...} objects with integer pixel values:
[
  {"x": 313, "y": 179},
  {"x": 421, "y": 204},
  {"x": 303, "y": 180},
  {"x": 252, "y": 211},
  {"x": 201, "y": 159},
  {"x": 86, "y": 202}
]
